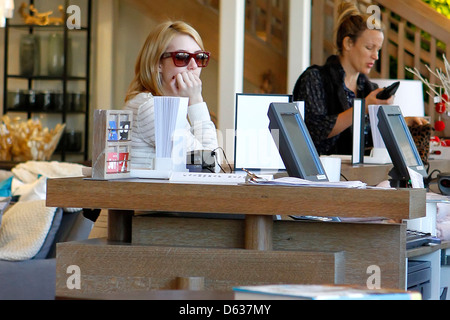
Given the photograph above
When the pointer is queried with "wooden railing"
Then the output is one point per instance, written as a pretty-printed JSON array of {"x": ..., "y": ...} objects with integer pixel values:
[
  {"x": 267, "y": 20},
  {"x": 416, "y": 36},
  {"x": 213, "y": 4},
  {"x": 265, "y": 39},
  {"x": 266, "y": 26}
]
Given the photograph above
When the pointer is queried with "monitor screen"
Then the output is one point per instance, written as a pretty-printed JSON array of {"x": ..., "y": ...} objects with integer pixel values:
[
  {"x": 254, "y": 147},
  {"x": 399, "y": 142},
  {"x": 409, "y": 96},
  {"x": 403, "y": 141},
  {"x": 293, "y": 140}
]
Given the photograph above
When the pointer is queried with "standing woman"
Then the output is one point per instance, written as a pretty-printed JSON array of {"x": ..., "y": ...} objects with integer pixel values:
[
  {"x": 329, "y": 90},
  {"x": 169, "y": 64}
]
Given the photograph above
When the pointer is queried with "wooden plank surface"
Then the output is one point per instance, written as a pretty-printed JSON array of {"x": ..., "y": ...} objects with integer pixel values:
[
  {"x": 106, "y": 268},
  {"x": 364, "y": 244},
  {"x": 374, "y": 174},
  {"x": 171, "y": 231},
  {"x": 157, "y": 295},
  {"x": 235, "y": 199}
]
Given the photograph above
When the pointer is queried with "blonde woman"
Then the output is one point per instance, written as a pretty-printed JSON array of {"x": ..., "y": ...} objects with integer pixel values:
[
  {"x": 329, "y": 90},
  {"x": 169, "y": 64}
]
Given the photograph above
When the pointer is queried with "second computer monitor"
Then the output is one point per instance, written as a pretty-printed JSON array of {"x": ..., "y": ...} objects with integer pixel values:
[
  {"x": 400, "y": 144},
  {"x": 294, "y": 142}
]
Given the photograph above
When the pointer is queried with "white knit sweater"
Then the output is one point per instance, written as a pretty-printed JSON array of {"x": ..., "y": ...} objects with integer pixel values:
[{"x": 201, "y": 132}]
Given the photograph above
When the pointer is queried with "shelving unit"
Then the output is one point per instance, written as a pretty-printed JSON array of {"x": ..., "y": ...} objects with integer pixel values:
[{"x": 61, "y": 97}]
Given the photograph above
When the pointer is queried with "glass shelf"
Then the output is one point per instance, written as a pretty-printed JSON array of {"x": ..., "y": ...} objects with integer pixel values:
[
  {"x": 70, "y": 82},
  {"x": 45, "y": 28},
  {"x": 68, "y": 78},
  {"x": 44, "y": 111}
]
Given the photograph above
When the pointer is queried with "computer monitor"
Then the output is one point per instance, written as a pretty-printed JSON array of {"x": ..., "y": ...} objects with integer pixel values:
[
  {"x": 400, "y": 145},
  {"x": 294, "y": 142},
  {"x": 409, "y": 96},
  {"x": 254, "y": 148}
]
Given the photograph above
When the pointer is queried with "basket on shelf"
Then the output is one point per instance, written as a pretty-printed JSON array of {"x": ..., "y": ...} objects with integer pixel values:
[{"x": 27, "y": 140}]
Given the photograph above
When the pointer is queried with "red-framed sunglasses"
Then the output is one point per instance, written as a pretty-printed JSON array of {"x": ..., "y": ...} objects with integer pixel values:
[{"x": 182, "y": 58}]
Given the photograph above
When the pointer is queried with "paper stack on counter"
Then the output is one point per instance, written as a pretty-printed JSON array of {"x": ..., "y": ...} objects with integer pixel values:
[{"x": 290, "y": 181}]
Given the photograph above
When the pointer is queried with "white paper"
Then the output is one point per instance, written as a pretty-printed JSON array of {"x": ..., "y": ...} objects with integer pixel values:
[
  {"x": 166, "y": 118},
  {"x": 291, "y": 181},
  {"x": 378, "y": 141},
  {"x": 170, "y": 130},
  {"x": 416, "y": 179}
]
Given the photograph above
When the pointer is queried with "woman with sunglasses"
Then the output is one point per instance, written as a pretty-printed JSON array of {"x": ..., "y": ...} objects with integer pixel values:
[
  {"x": 329, "y": 90},
  {"x": 169, "y": 64}
]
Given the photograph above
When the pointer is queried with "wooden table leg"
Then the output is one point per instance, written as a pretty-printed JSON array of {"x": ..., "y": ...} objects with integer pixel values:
[
  {"x": 119, "y": 225},
  {"x": 191, "y": 283},
  {"x": 259, "y": 233}
]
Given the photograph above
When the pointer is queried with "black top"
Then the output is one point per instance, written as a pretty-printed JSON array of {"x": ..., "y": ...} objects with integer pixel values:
[{"x": 325, "y": 94}]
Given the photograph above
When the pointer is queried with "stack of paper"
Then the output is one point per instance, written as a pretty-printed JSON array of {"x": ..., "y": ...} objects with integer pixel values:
[
  {"x": 290, "y": 181},
  {"x": 320, "y": 292},
  {"x": 378, "y": 142},
  {"x": 170, "y": 130},
  {"x": 170, "y": 118}
]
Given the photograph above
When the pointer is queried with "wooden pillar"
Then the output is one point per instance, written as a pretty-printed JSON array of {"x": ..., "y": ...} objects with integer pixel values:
[
  {"x": 401, "y": 51},
  {"x": 299, "y": 44},
  {"x": 119, "y": 226},
  {"x": 231, "y": 68},
  {"x": 259, "y": 233},
  {"x": 385, "y": 50},
  {"x": 191, "y": 283}
]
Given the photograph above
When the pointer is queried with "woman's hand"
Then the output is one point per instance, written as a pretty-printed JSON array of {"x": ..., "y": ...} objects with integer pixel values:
[
  {"x": 412, "y": 121},
  {"x": 372, "y": 99},
  {"x": 188, "y": 84}
]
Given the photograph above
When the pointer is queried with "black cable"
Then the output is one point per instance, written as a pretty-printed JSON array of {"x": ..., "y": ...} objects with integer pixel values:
[
  {"x": 214, "y": 154},
  {"x": 431, "y": 174}
]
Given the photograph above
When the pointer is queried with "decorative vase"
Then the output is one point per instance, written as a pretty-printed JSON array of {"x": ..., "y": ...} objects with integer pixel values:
[
  {"x": 30, "y": 55},
  {"x": 55, "y": 55}
]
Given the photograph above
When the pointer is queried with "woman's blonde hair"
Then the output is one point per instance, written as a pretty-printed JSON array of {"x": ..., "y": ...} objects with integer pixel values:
[
  {"x": 147, "y": 77},
  {"x": 350, "y": 23}
]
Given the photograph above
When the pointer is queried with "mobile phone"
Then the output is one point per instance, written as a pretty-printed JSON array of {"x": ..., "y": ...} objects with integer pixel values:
[{"x": 389, "y": 91}]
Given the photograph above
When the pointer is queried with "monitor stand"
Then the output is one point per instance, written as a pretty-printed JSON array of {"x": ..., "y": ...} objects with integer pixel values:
[{"x": 397, "y": 180}]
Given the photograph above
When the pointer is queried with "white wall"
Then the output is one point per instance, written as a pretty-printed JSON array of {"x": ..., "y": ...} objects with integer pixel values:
[{"x": 299, "y": 52}]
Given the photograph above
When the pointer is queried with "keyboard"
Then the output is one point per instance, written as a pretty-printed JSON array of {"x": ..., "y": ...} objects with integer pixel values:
[
  {"x": 207, "y": 178},
  {"x": 415, "y": 239}
]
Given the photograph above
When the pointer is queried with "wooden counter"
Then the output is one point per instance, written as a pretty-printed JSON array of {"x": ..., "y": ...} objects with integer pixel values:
[
  {"x": 236, "y": 240},
  {"x": 145, "y": 195}
]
